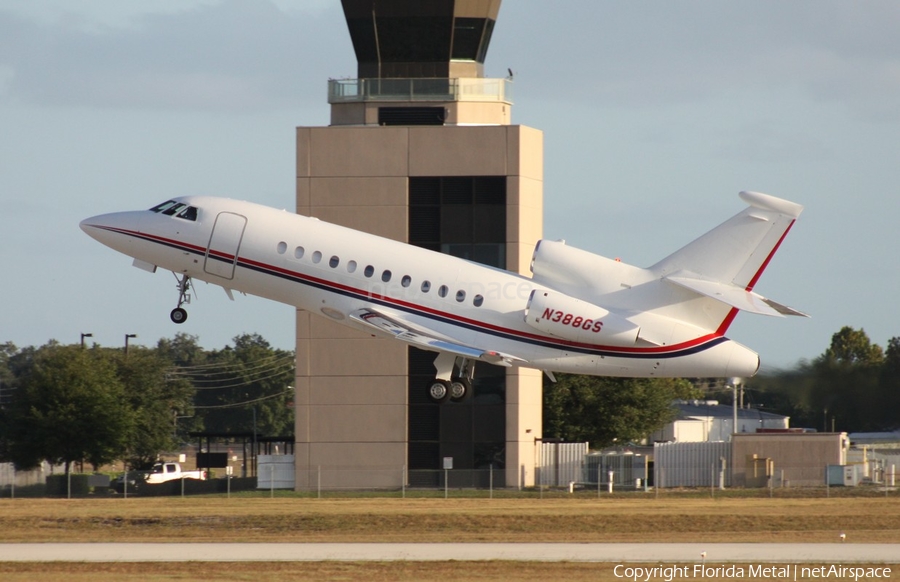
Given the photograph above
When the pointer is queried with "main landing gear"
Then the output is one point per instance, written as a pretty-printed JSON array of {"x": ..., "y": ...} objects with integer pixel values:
[
  {"x": 178, "y": 314},
  {"x": 447, "y": 385}
]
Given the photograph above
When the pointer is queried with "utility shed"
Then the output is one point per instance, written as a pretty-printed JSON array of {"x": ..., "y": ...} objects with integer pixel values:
[{"x": 789, "y": 459}]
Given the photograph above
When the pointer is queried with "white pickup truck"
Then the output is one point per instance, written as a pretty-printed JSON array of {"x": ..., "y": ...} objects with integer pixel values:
[{"x": 162, "y": 472}]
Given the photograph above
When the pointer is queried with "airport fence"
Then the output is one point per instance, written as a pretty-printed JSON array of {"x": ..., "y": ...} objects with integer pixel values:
[
  {"x": 599, "y": 476},
  {"x": 30, "y": 482}
]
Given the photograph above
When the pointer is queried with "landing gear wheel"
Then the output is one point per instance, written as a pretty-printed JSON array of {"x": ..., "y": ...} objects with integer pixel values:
[
  {"x": 439, "y": 391},
  {"x": 178, "y": 315},
  {"x": 460, "y": 390}
]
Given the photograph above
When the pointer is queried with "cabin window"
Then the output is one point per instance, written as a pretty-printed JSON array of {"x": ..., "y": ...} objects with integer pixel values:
[
  {"x": 460, "y": 295},
  {"x": 442, "y": 290},
  {"x": 298, "y": 252},
  {"x": 406, "y": 280},
  {"x": 426, "y": 286},
  {"x": 478, "y": 301},
  {"x": 369, "y": 271},
  {"x": 316, "y": 257},
  {"x": 386, "y": 276},
  {"x": 351, "y": 266},
  {"x": 282, "y": 247},
  {"x": 334, "y": 262}
]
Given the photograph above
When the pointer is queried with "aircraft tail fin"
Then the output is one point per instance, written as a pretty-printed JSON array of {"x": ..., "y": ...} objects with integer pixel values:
[{"x": 725, "y": 263}]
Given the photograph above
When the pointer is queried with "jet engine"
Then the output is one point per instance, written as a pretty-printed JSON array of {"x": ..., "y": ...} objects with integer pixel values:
[
  {"x": 572, "y": 319},
  {"x": 575, "y": 271}
]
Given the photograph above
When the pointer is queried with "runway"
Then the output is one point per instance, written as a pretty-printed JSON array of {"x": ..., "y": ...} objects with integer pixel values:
[{"x": 543, "y": 552}]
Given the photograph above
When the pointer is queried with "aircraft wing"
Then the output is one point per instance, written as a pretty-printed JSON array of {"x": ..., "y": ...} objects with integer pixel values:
[
  {"x": 429, "y": 341},
  {"x": 734, "y": 296}
]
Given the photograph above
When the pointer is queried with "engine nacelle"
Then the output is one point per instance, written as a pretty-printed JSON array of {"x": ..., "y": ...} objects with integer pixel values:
[
  {"x": 578, "y": 321},
  {"x": 575, "y": 271}
]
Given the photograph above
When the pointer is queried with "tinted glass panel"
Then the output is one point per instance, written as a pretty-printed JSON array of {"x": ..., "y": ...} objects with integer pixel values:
[
  {"x": 471, "y": 212},
  {"x": 363, "y": 35},
  {"x": 485, "y": 41},
  {"x": 173, "y": 209},
  {"x": 369, "y": 271},
  {"x": 189, "y": 213},
  {"x": 424, "y": 191},
  {"x": 411, "y": 115},
  {"x": 467, "y": 33},
  {"x": 163, "y": 206},
  {"x": 490, "y": 221},
  {"x": 457, "y": 224},
  {"x": 414, "y": 38},
  {"x": 457, "y": 191},
  {"x": 424, "y": 224},
  {"x": 490, "y": 190}
]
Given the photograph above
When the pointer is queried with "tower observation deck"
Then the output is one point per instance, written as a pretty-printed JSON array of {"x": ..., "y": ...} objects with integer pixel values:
[{"x": 420, "y": 63}]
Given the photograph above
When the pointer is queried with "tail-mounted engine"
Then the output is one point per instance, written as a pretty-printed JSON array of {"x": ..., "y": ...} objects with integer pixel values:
[
  {"x": 576, "y": 272},
  {"x": 578, "y": 321}
]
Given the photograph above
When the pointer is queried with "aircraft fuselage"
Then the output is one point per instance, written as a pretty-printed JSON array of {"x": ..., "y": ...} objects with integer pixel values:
[{"x": 336, "y": 272}]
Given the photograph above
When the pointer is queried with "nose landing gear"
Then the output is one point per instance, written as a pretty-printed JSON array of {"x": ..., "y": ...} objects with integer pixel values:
[{"x": 179, "y": 315}]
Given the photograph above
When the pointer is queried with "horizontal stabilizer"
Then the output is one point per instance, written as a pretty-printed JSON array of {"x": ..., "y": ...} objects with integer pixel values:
[{"x": 734, "y": 296}]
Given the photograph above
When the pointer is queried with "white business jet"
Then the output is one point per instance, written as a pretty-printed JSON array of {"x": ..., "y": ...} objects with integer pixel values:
[{"x": 578, "y": 312}]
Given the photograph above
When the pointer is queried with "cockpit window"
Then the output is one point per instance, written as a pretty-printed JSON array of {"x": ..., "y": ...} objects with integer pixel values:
[
  {"x": 164, "y": 206},
  {"x": 177, "y": 209},
  {"x": 171, "y": 210},
  {"x": 189, "y": 213}
]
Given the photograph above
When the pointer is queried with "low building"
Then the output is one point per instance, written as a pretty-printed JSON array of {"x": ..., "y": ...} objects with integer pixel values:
[
  {"x": 709, "y": 421},
  {"x": 786, "y": 459}
]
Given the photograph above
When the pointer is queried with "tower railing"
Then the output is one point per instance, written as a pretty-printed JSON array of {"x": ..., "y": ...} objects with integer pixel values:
[{"x": 420, "y": 89}]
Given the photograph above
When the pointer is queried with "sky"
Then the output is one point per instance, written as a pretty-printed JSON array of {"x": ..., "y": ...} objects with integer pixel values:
[{"x": 654, "y": 114}]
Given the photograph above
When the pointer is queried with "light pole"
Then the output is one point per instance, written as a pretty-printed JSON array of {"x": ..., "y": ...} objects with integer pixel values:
[
  {"x": 733, "y": 383},
  {"x": 127, "y": 337},
  {"x": 84, "y": 335}
]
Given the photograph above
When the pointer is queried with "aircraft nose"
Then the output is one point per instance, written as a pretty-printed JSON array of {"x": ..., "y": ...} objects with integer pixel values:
[{"x": 115, "y": 230}]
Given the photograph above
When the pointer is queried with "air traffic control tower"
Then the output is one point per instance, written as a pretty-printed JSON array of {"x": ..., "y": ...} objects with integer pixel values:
[{"x": 420, "y": 149}]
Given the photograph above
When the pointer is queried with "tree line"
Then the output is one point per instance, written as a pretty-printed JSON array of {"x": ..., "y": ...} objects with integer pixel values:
[
  {"x": 853, "y": 386},
  {"x": 65, "y": 403},
  {"x": 69, "y": 403}
]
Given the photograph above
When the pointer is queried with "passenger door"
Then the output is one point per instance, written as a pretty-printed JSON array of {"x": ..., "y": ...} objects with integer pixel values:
[{"x": 224, "y": 244}]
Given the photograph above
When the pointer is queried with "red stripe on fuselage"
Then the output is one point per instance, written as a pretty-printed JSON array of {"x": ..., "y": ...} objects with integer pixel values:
[{"x": 558, "y": 343}]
